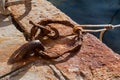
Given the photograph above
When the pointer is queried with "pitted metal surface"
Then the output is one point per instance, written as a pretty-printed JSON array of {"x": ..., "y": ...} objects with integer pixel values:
[{"x": 94, "y": 60}]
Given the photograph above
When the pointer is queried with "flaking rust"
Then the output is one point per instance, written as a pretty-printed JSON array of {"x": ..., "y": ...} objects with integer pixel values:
[
  {"x": 48, "y": 32},
  {"x": 48, "y": 43},
  {"x": 83, "y": 56}
]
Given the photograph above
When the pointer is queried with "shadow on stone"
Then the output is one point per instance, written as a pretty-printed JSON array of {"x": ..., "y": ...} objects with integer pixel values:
[{"x": 4, "y": 21}]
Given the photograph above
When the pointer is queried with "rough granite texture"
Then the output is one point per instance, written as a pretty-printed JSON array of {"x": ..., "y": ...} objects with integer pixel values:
[{"x": 94, "y": 61}]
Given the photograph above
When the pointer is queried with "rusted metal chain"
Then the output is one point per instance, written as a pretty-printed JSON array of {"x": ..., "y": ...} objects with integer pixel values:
[{"x": 43, "y": 26}]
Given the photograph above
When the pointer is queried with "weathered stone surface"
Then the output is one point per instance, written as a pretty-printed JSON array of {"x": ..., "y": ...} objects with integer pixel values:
[
  {"x": 35, "y": 10},
  {"x": 94, "y": 61}
]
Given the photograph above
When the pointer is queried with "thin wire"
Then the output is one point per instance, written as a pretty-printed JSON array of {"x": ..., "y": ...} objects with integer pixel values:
[
  {"x": 92, "y": 25},
  {"x": 101, "y": 25},
  {"x": 102, "y": 31},
  {"x": 105, "y": 27}
]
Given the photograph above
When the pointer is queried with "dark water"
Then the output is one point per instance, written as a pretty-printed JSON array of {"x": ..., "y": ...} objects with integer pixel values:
[{"x": 95, "y": 12}]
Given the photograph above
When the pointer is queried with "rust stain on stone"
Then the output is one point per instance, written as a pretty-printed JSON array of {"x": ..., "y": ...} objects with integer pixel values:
[{"x": 94, "y": 60}]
